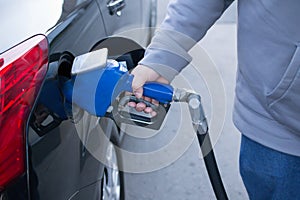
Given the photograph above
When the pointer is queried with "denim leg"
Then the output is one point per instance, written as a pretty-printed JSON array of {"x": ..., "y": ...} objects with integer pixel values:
[{"x": 269, "y": 174}]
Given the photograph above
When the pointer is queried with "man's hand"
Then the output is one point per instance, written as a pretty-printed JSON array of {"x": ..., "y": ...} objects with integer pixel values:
[{"x": 143, "y": 74}]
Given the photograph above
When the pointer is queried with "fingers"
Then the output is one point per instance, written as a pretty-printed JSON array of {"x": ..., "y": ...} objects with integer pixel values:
[
  {"x": 149, "y": 110},
  {"x": 142, "y": 107},
  {"x": 131, "y": 104},
  {"x": 147, "y": 99},
  {"x": 143, "y": 74},
  {"x": 153, "y": 101}
]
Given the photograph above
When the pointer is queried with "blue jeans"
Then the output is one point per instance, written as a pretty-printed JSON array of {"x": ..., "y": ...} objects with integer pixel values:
[{"x": 269, "y": 174}]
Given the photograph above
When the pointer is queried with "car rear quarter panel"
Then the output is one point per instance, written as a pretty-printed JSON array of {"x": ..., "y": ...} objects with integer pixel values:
[{"x": 59, "y": 165}]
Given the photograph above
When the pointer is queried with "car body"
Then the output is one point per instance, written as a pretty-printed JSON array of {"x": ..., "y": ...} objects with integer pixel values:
[{"x": 55, "y": 161}]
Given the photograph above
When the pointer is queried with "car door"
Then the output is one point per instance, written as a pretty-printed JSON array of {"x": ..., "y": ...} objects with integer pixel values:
[{"x": 129, "y": 18}]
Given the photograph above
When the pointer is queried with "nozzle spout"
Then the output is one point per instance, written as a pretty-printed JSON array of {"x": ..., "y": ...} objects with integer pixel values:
[
  {"x": 196, "y": 109},
  {"x": 197, "y": 114}
]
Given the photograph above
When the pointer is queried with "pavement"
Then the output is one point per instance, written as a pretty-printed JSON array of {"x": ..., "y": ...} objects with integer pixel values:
[{"x": 180, "y": 173}]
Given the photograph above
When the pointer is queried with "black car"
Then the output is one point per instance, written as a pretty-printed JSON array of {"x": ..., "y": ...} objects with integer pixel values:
[{"x": 43, "y": 151}]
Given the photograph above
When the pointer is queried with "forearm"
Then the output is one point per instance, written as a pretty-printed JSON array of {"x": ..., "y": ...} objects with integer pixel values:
[{"x": 187, "y": 21}]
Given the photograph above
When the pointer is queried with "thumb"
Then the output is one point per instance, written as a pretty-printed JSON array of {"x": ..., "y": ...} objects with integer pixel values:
[
  {"x": 142, "y": 74},
  {"x": 138, "y": 92},
  {"x": 137, "y": 86}
]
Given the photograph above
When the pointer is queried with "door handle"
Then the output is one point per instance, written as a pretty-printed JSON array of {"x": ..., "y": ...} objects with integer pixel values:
[{"x": 115, "y": 7}]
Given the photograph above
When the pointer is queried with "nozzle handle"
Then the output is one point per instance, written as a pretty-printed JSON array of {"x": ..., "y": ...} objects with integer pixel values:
[{"x": 158, "y": 91}]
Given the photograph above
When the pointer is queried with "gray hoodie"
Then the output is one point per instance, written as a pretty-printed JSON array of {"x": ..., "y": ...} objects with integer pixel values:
[{"x": 267, "y": 103}]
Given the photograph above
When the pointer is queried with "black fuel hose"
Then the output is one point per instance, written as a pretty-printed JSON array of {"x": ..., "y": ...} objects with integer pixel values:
[
  {"x": 201, "y": 127},
  {"x": 211, "y": 166}
]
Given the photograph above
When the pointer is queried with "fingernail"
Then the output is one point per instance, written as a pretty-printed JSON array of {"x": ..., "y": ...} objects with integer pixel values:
[
  {"x": 153, "y": 113},
  {"x": 131, "y": 104},
  {"x": 137, "y": 94}
]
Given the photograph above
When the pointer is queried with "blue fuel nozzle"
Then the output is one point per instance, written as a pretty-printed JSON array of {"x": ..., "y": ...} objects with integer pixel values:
[{"x": 95, "y": 90}]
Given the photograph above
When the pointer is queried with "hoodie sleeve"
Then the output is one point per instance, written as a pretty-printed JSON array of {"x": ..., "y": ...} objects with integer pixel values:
[{"x": 186, "y": 22}]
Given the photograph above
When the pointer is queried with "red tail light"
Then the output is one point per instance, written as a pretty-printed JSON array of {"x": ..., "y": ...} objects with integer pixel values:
[{"x": 22, "y": 70}]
